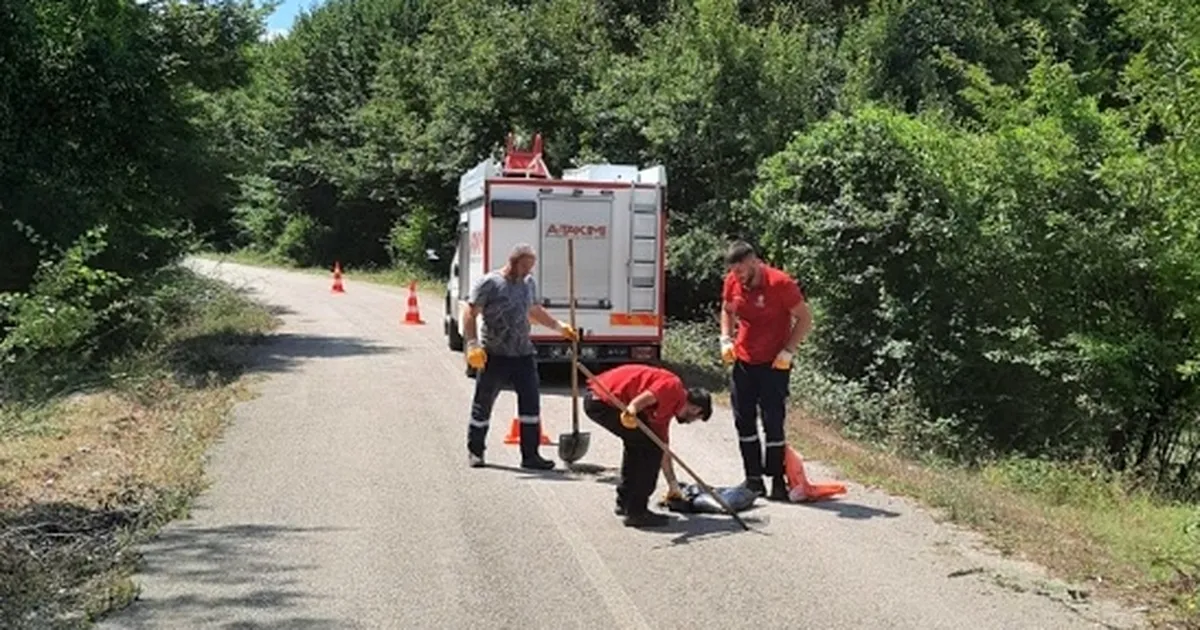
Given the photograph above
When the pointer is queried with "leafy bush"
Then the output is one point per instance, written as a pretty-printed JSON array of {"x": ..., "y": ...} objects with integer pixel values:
[
  {"x": 51, "y": 331},
  {"x": 258, "y": 214},
  {"x": 1006, "y": 280},
  {"x": 695, "y": 273},
  {"x": 301, "y": 240},
  {"x": 412, "y": 237}
]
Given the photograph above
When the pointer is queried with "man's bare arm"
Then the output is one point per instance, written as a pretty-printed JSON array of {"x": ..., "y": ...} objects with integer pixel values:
[
  {"x": 726, "y": 321},
  {"x": 470, "y": 316},
  {"x": 801, "y": 326},
  {"x": 668, "y": 468},
  {"x": 543, "y": 317},
  {"x": 641, "y": 401}
]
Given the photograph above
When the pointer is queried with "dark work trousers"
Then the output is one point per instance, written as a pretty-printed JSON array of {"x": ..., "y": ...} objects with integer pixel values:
[
  {"x": 521, "y": 374},
  {"x": 640, "y": 461},
  {"x": 760, "y": 388}
]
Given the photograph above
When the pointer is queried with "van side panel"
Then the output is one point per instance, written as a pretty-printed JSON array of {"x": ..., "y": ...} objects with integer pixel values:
[{"x": 473, "y": 249}]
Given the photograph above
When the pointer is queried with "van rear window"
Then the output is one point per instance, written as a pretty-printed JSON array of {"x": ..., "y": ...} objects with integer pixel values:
[{"x": 514, "y": 209}]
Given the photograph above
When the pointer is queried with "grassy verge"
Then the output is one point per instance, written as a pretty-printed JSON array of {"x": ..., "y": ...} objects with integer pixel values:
[
  {"x": 395, "y": 276},
  {"x": 85, "y": 477},
  {"x": 1084, "y": 525}
]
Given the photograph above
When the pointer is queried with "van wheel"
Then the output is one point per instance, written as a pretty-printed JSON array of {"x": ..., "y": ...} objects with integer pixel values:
[
  {"x": 453, "y": 338},
  {"x": 456, "y": 340}
]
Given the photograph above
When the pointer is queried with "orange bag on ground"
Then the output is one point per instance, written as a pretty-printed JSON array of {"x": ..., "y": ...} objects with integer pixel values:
[{"x": 799, "y": 488}]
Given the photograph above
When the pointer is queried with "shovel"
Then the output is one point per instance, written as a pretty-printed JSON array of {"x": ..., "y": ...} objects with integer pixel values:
[{"x": 574, "y": 445}]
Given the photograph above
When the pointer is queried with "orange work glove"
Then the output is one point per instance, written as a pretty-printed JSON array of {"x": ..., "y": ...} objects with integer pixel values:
[
  {"x": 476, "y": 356},
  {"x": 628, "y": 418}
]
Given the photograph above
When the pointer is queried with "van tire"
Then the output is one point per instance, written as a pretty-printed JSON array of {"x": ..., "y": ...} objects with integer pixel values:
[
  {"x": 453, "y": 338},
  {"x": 456, "y": 340}
]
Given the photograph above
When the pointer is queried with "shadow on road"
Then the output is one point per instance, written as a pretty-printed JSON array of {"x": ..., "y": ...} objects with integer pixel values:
[
  {"x": 295, "y": 623},
  {"x": 694, "y": 527},
  {"x": 222, "y": 579},
  {"x": 281, "y": 352},
  {"x": 560, "y": 473},
  {"x": 226, "y": 356},
  {"x": 278, "y": 310},
  {"x": 853, "y": 511}
]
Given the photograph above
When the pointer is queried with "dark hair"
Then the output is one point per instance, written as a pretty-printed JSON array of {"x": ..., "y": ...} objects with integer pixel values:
[
  {"x": 701, "y": 398},
  {"x": 738, "y": 251}
]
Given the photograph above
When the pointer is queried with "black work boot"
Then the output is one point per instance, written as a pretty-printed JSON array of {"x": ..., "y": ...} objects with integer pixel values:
[
  {"x": 619, "y": 505},
  {"x": 646, "y": 518},
  {"x": 774, "y": 461},
  {"x": 475, "y": 448},
  {"x": 756, "y": 485},
  {"x": 779, "y": 489},
  {"x": 531, "y": 435}
]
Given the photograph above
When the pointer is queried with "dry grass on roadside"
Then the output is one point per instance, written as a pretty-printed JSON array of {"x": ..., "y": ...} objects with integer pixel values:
[
  {"x": 92, "y": 446},
  {"x": 83, "y": 479}
]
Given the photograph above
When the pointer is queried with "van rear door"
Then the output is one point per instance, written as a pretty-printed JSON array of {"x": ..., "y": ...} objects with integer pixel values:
[{"x": 587, "y": 220}]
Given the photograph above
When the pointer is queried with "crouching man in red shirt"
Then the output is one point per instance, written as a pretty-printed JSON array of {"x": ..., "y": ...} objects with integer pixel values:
[
  {"x": 655, "y": 396},
  {"x": 772, "y": 319}
]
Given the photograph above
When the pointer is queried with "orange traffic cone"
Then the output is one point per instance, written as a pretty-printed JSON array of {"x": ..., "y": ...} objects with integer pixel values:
[
  {"x": 337, "y": 278},
  {"x": 413, "y": 316},
  {"x": 799, "y": 488},
  {"x": 514, "y": 434}
]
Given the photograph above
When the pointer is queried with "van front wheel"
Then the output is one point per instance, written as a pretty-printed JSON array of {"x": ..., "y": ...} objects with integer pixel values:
[{"x": 454, "y": 339}]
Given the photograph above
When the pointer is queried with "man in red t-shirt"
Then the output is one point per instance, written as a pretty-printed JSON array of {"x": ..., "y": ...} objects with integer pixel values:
[
  {"x": 656, "y": 396},
  {"x": 772, "y": 319}
]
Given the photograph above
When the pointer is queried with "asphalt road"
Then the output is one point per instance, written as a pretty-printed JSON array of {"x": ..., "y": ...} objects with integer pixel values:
[{"x": 341, "y": 498}]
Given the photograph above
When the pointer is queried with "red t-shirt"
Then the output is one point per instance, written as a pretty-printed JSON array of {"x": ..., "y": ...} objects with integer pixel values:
[
  {"x": 763, "y": 313},
  {"x": 626, "y": 382}
]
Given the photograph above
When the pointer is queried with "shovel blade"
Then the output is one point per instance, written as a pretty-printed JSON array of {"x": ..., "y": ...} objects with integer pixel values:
[{"x": 573, "y": 446}]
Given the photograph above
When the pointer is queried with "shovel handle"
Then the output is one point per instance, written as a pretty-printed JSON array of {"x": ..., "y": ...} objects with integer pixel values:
[
  {"x": 641, "y": 425},
  {"x": 574, "y": 342}
]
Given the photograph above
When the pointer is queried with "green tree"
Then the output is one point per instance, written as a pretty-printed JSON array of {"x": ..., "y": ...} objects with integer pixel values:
[{"x": 107, "y": 166}]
